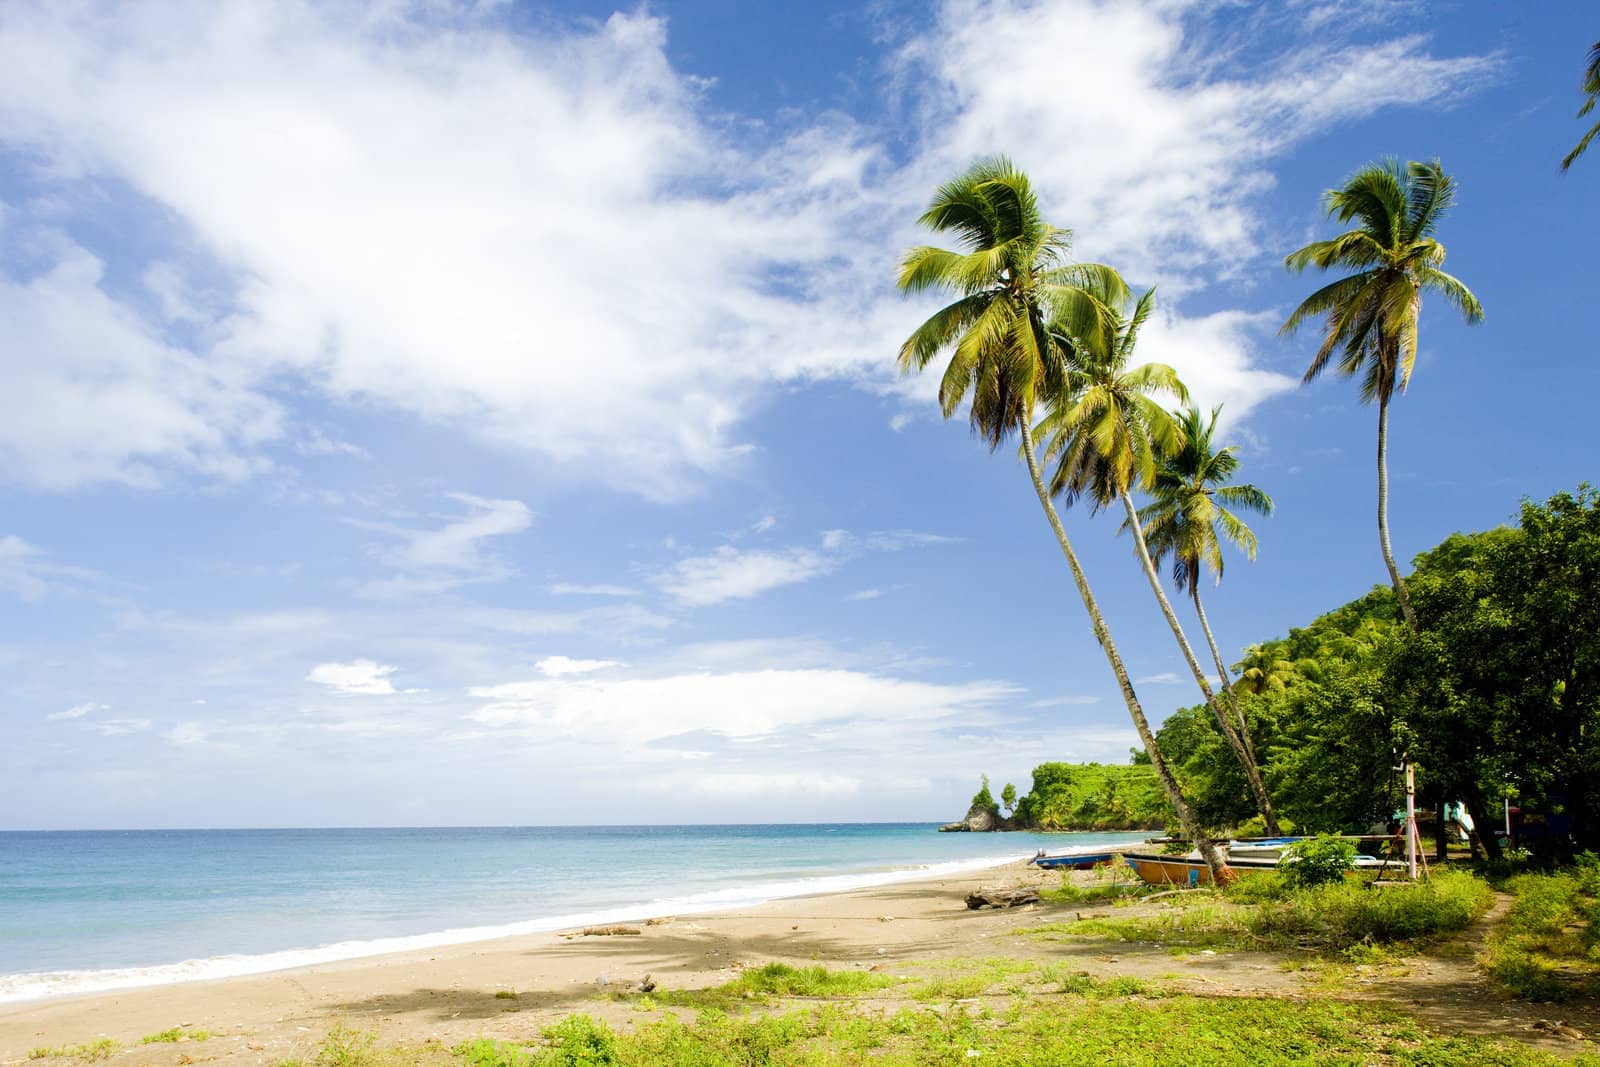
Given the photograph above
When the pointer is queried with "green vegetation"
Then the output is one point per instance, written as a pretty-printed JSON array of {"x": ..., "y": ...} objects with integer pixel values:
[
  {"x": 1077, "y": 1021},
  {"x": 774, "y": 980},
  {"x": 506, "y": 994},
  {"x": 1591, "y": 92},
  {"x": 92, "y": 1050},
  {"x": 1265, "y": 912},
  {"x": 1094, "y": 796},
  {"x": 174, "y": 1035},
  {"x": 1322, "y": 860},
  {"x": 1548, "y": 947}
]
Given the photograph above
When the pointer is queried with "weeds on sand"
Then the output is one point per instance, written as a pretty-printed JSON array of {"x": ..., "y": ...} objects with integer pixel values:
[
  {"x": 92, "y": 1050},
  {"x": 1096, "y": 1028},
  {"x": 774, "y": 980},
  {"x": 1263, "y": 912},
  {"x": 1548, "y": 947},
  {"x": 174, "y": 1035}
]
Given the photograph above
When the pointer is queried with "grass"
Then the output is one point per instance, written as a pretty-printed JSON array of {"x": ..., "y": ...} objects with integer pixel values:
[
  {"x": 770, "y": 981},
  {"x": 1548, "y": 947},
  {"x": 92, "y": 1050},
  {"x": 1088, "y": 1023},
  {"x": 1262, "y": 912},
  {"x": 174, "y": 1035}
]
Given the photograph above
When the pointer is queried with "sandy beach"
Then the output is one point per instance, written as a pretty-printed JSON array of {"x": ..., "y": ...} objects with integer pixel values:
[{"x": 449, "y": 994}]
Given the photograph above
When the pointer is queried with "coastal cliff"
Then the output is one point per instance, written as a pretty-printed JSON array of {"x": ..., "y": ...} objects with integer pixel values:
[{"x": 1073, "y": 796}]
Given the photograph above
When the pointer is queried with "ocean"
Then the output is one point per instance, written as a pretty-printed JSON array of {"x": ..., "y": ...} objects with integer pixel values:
[{"x": 93, "y": 910}]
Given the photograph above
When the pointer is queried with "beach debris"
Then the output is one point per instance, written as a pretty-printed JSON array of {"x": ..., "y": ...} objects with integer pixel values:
[
  {"x": 659, "y": 920},
  {"x": 610, "y": 931},
  {"x": 1559, "y": 1028},
  {"x": 886, "y": 918},
  {"x": 1002, "y": 898},
  {"x": 647, "y": 984}
]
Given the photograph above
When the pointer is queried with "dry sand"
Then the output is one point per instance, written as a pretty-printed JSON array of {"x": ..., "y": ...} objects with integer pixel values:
[{"x": 448, "y": 994}]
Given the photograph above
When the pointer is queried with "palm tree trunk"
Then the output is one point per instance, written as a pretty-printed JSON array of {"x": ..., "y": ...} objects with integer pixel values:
[
  {"x": 1251, "y": 773},
  {"x": 1102, "y": 633},
  {"x": 1267, "y": 816},
  {"x": 1398, "y": 582}
]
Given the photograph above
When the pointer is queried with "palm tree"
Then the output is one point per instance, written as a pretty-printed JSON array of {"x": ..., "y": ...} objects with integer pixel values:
[
  {"x": 1188, "y": 518},
  {"x": 1371, "y": 314},
  {"x": 1107, "y": 433},
  {"x": 1591, "y": 86},
  {"x": 1016, "y": 297}
]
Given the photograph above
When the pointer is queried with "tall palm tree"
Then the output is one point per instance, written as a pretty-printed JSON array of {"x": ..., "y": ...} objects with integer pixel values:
[
  {"x": 1371, "y": 314},
  {"x": 1189, "y": 516},
  {"x": 1017, "y": 296},
  {"x": 1591, "y": 87},
  {"x": 1107, "y": 434}
]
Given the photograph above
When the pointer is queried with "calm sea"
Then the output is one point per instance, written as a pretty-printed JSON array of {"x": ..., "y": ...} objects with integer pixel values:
[{"x": 83, "y": 911}]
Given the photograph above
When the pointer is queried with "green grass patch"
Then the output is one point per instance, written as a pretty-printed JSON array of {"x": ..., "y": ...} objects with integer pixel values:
[
  {"x": 1264, "y": 912},
  {"x": 91, "y": 1050},
  {"x": 1100, "y": 1026},
  {"x": 1548, "y": 947},
  {"x": 174, "y": 1035},
  {"x": 774, "y": 980}
]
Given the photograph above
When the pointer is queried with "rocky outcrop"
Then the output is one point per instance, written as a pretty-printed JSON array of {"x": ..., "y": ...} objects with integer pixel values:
[{"x": 979, "y": 819}]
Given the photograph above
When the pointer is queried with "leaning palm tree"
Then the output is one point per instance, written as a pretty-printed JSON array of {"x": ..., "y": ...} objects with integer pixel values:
[
  {"x": 1107, "y": 433},
  {"x": 1591, "y": 87},
  {"x": 1012, "y": 283},
  {"x": 1189, "y": 517},
  {"x": 1371, "y": 314}
]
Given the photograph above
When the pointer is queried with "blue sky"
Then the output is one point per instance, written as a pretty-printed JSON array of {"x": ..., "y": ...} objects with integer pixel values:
[{"x": 487, "y": 414}]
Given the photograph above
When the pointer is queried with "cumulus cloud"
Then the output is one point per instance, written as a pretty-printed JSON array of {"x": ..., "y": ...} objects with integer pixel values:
[
  {"x": 357, "y": 676},
  {"x": 458, "y": 266},
  {"x": 739, "y": 705},
  {"x": 556, "y": 666},
  {"x": 77, "y": 711}
]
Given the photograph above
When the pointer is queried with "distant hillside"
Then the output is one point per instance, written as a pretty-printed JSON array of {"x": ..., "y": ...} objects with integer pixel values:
[{"x": 1093, "y": 796}]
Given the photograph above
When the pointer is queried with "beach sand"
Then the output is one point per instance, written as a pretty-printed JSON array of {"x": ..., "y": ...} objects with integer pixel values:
[{"x": 448, "y": 993}]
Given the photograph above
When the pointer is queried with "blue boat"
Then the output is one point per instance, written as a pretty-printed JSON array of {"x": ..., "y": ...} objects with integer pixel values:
[{"x": 1071, "y": 860}]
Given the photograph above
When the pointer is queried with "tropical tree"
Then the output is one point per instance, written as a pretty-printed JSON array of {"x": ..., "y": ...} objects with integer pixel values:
[
  {"x": 1371, "y": 314},
  {"x": 1190, "y": 515},
  {"x": 1016, "y": 298},
  {"x": 1591, "y": 87},
  {"x": 1107, "y": 433}
]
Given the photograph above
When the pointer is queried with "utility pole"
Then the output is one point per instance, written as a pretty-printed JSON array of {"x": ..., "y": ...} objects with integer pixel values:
[{"x": 1411, "y": 821}]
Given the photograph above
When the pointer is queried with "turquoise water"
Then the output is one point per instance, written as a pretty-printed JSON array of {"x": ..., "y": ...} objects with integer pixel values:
[{"x": 111, "y": 909}]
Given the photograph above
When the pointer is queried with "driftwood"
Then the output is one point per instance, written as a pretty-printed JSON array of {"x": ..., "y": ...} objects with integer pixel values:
[
  {"x": 1002, "y": 898},
  {"x": 602, "y": 931}
]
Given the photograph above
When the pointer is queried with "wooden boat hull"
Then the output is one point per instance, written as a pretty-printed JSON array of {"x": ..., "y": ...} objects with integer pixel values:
[{"x": 1184, "y": 870}]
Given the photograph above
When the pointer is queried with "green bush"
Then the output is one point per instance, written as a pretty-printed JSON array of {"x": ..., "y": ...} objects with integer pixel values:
[
  {"x": 579, "y": 1041},
  {"x": 1321, "y": 860}
]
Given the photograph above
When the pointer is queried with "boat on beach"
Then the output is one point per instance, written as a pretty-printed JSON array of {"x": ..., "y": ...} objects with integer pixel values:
[
  {"x": 1244, "y": 857},
  {"x": 1073, "y": 859}
]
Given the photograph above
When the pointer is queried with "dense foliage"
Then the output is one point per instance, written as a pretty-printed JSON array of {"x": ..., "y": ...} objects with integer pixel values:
[
  {"x": 1497, "y": 697},
  {"x": 1093, "y": 796}
]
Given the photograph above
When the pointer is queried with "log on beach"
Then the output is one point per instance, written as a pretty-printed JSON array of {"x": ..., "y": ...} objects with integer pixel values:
[{"x": 1002, "y": 898}]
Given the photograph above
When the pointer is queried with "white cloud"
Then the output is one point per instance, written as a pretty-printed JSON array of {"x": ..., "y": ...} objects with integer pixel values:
[
  {"x": 571, "y": 589},
  {"x": 758, "y": 784},
  {"x": 729, "y": 574},
  {"x": 556, "y": 666},
  {"x": 1163, "y": 678},
  {"x": 865, "y": 594},
  {"x": 118, "y": 727},
  {"x": 741, "y": 705},
  {"x": 27, "y": 573},
  {"x": 446, "y": 266},
  {"x": 358, "y": 676},
  {"x": 77, "y": 711},
  {"x": 93, "y": 394},
  {"x": 442, "y": 558},
  {"x": 1063, "y": 702}
]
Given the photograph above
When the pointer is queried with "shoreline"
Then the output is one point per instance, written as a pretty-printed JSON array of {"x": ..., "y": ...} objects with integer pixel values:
[
  {"x": 449, "y": 992},
  {"x": 47, "y": 986}
]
